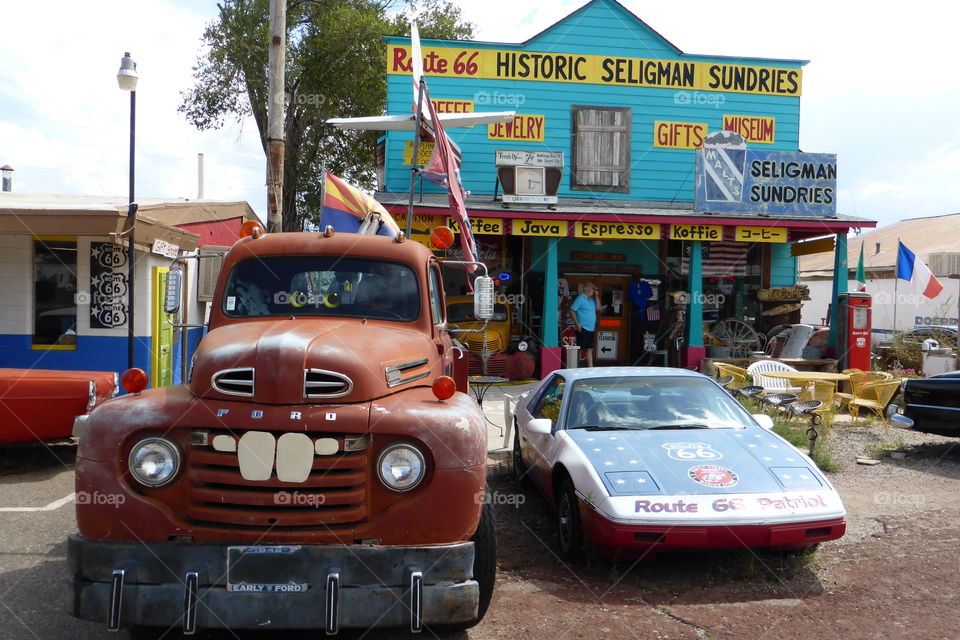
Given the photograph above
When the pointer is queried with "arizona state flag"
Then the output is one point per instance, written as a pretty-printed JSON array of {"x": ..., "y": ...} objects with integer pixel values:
[{"x": 345, "y": 207}]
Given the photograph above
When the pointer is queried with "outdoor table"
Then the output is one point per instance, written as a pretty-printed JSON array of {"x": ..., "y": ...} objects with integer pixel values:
[
  {"x": 480, "y": 385},
  {"x": 806, "y": 378}
]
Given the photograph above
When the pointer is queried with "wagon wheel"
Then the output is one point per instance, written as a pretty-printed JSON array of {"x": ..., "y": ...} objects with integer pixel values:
[{"x": 739, "y": 336}]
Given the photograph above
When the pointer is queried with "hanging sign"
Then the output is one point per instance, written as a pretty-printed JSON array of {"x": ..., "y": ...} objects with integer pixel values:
[
  {"x": 707, "y": 232},
  {"x": 108, "y": 285},
  {"x": 760, "y": 234},
  {"x": 423, "y": 226},
  {"x": 527, "y": 227},
  {"x": 480, "y": 226},
  {"x": 617, "y": 230},
  {"x": 606, "y": 345}
]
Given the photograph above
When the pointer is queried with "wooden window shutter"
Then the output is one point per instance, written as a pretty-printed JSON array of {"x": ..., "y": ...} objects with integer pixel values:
[{"x": 601, "y": 148}]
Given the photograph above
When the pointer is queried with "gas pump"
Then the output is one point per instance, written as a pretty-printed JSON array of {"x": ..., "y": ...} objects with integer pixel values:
[{"x": 854, "y": 327}]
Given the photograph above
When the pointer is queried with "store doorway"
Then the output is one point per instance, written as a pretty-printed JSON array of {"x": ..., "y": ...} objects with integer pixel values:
[{"x": 613, "y": 322}]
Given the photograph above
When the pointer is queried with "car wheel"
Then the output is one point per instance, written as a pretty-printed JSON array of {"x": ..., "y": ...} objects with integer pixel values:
[
  {"x": 569, "y": 527},
  {"x": 519, "y": 468},
  {"x": 484, "y": 565}
]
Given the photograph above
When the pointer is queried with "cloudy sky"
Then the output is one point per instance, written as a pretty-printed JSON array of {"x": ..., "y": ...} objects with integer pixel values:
[{"x": 881, "y": 91}]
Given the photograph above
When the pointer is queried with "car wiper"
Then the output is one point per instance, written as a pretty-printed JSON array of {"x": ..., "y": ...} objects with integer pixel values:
[
  {"x": 681, "y": 426},
  {"x": 597, "y": 427}
]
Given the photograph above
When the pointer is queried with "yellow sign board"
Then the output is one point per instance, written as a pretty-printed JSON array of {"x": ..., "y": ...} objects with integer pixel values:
[
  {"x": 679, "y": 135},
  {"x": 424, "y": 152},
  {"x": 541, "y": 66},
  {"x": 617, "y": 230},
  {"x": 760, "y": 234},
  {"x": 452, "y": 106},
  {"x": 527, "y": 227},
  {"x": 753, "y": 128},
  {"x": 523, "y": 128},
  {"x": 423, "y": 226},
  {"x": 707, "y": 232},
  {"x": 480, "y": 226}
]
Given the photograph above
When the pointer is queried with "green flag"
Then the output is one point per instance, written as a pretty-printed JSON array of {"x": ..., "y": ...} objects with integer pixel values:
[{"x": 861, "y": 277}]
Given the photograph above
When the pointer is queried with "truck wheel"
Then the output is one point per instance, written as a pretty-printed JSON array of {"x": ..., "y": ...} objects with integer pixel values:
[
  {"x": 484, "y": 564},
  {"x": 569, "y": 528}
]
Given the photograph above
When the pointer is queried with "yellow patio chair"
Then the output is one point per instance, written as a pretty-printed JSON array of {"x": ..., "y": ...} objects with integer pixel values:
[
  {"x": 874, "y": 396},
  {"x": 739, "y": 374},
  {"x": 824, "y": 391},
  {"x": 857, "y": 380}
]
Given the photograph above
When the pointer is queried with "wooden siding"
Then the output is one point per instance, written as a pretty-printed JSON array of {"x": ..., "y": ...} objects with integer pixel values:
[{"x": 604, "y": 28}]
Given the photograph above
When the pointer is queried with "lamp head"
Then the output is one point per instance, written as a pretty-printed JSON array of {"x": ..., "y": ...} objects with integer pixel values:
[{"x": 127, "y": 76}]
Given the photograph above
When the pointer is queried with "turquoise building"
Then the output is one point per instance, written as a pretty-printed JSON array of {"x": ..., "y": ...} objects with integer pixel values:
[{"x": 673, "y": 181}]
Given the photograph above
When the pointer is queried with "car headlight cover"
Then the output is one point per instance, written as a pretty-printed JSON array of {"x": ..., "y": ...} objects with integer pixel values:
[
  {"x": 401, "y": 467},
  {"x": 154, "y": 461}
]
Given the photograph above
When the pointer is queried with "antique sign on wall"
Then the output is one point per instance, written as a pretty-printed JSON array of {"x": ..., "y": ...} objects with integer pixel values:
[{"x": 108, "y": 285}]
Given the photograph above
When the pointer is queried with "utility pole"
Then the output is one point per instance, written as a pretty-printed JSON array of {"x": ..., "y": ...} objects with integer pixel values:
[{"x": 275, "y": 112}]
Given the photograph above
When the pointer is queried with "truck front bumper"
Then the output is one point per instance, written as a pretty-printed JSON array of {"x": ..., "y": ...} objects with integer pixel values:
[{"x": 185, "y": 586}]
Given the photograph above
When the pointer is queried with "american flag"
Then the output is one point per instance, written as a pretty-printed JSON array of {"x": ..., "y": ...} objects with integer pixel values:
[
  {"x": 722, "y": 259},
  {"x": 653, "y": 312}
]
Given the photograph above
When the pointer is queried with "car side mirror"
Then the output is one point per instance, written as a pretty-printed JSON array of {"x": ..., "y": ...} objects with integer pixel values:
[
  {"x": 763, "y": 420},
  {"x": 483, "y": 297},
  {"x": 542, "y": 426},
  {"x": 171, "y": 294}
]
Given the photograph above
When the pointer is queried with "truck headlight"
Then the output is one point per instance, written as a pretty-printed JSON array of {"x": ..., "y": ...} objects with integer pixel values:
[
  {"x": 401, "y": 467},
  {"x": 154, "y": 461}
]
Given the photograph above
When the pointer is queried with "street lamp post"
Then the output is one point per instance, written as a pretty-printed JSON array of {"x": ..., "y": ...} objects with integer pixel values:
[{"x": 127, "y": 79}]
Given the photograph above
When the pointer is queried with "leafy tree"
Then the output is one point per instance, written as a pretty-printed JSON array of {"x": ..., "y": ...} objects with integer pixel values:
[{"x": 335, "y": 67}]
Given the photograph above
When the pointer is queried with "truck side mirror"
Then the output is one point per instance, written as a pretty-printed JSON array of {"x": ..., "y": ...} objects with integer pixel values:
[
  {"x": 483, "y": 297},
  {"x": 171, "y": 294}
]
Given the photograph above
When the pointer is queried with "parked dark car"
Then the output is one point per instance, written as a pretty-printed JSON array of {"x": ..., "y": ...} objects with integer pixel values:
[{"x": 934, "y": 403}]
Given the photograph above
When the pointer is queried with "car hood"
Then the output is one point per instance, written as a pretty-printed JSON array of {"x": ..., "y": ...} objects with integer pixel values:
[
  {"x": 695, "y": 461},
  {"x": 682, "y": 474}
]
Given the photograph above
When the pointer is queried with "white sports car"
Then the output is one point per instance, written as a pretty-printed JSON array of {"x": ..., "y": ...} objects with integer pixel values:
[{"x": 645, "y": 459}]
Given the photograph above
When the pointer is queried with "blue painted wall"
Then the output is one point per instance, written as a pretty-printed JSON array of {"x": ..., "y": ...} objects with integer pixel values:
[
  {"x": 783, "y": 266},
  {"x": 605, "y": 28}
]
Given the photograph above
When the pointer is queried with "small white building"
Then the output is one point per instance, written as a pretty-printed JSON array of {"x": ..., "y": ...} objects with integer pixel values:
[
  {"x": 63, "y": 280},
  {"x": 896, "y": 304}
]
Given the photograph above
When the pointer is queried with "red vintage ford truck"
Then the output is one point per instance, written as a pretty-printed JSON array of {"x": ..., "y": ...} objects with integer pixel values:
[{"x": 319, "y": 471}]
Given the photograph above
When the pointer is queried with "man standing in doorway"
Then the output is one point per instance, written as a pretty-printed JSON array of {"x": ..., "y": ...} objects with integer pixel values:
[{"x": 583, "y": 313}]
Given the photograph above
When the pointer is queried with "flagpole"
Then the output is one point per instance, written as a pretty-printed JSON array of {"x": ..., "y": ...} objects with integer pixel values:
[
  {"x": 896, "y": 284},
  {"x": 416, "y": 155}
]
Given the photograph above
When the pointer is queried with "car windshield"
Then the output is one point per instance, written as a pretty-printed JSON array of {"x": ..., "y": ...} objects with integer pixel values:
[
  {"x": 463, "y": 312},
  {"x": 322, "y": 286},
  {"x": 668, "y": 402}
]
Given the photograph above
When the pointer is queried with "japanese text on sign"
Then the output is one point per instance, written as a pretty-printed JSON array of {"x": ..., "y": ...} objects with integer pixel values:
[
  {"x": 617, "y": 230},
  {"x": 761, "y": 234},
  {"x": 594, "y": 69}
]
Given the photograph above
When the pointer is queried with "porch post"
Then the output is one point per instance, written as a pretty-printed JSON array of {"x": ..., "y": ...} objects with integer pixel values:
[
  {"x": 840, "y": 277},
  {"x": 694, "y": 336},
  {"x": 550, "y": 356}
]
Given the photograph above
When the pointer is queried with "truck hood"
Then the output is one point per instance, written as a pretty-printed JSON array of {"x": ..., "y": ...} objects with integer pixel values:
[{"x": 292, "y": 361}]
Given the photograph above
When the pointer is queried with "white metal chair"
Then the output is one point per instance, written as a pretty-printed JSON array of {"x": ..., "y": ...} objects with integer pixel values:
[
  {"x": 771, "y": 385},
  {"x": 799, "y": 337}
]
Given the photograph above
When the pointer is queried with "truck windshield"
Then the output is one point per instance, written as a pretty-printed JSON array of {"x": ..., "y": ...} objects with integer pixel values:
[{"x": 322, "y": 286}]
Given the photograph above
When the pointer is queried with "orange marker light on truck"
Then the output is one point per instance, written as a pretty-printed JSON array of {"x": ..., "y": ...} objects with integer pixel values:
[
  {"x": 441, "y": 238},
  {"x": 134, "y": 380},
  {"x": 444, "y": 387},
  {"x": 251, "y": 229}
]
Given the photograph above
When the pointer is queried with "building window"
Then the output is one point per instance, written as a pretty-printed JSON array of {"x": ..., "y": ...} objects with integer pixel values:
[
  {"x": 54, "y": 292},
  {"x": 601, "y": 149}
]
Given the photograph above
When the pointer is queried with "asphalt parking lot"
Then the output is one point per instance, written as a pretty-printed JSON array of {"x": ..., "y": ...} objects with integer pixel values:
[{"x": 895, "y": 574}]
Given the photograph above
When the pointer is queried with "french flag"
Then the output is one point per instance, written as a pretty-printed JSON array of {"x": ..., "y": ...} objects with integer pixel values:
[{"x": 914, "y": 270}]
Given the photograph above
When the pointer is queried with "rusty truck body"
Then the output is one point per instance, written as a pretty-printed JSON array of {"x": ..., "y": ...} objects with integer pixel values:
[{"x": 309, "y": 475}]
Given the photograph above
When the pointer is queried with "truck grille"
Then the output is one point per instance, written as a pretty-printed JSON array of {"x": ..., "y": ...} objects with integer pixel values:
[
  {"x": 475, "y": 343},
  {"x": 332, "y": 498}
]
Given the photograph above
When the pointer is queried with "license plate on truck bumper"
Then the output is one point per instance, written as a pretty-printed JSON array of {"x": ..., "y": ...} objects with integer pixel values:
[{"x": 267, "y": 569}]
